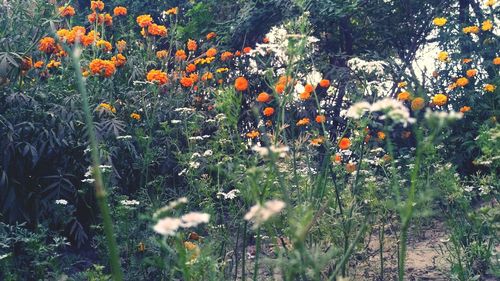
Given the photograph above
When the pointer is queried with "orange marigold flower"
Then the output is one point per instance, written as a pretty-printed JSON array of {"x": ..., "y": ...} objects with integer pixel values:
[
  {"x": 320, "y": 119},
  {"x": 280, "y": 88},
  {"x": 105, "y": 45},
  {"x": 489, "y": 88},
  {"x": 107, "y": 106},
  {"x": 26, "y": 63},
  {"x": 211, "y": 52},
  {"x": 53, "y": 64},
  {"x": 303, "y": 122},
  {"x": 404, "y": 96},
  {"x": 187, "y": 82},
  {"x": 104, "y": 68},
  {"x": 317, "y": 141},
  {"x": 350, "y": 167},
  {"x": 47, "y": 45},
  {"x": 172, "y": 11},
  {"x": 337, "y": 158},
  {"x": 119, "y": 60},
  {"x": 180, "y": 55},
  {"x": 135, "y": 116},
  {"x": 96, "y": 5},
  {"x": 253, "y": 134},
  {"x": 464, "y": 109},
  {"x": 38, "y": 64},
  {"x": 157, "y": 76},
  {"x": 324, "y": 83},
  {"x": 247, "y": 50},
  {"x": 305, "y": 95},
  {"x": 120, "y": 11},
  {"x": 466, "y": 60},
  {"x": 496, "y": 61},
  {"x": 190, "y": 68},
  {"x": 191, "y": 45},
  {"x": 471, "y": 29},
  {"x": 162, "y": 54},
  {"x": 144, "y": 20},
  {"x": 121, "y": 46},
  {"x": 108, "y": 20},
  {"x": 344, "y": 143},
  {"x": 237, "y": 53},
  {"x": 66, "y": 11},
  {"x": 211, "y": 35},
  {"x": 157, "y": 30},
  {"x": 263, "y": 97},
  {"x": 462, "y": 82},
  {"x": 440, "y": 99},
  {"x": 471, "y": 73},
  {"x": 226, "y": 56},
  {"x": 207, "y": 76},
  {"x": 268, "y": 111},
  {"x": 241, "y": 84},
  {"x": 308, "y": 88},
  {"x": 380, "y": 135},
  {"x": 96, "y": 17},
  {"x": 417, "y": 104}
]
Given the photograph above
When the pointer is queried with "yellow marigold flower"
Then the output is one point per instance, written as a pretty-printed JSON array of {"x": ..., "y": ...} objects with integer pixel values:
[
  {"x": 471, "y": 29},
  {"x": 191, "y": 45},
  {"x": 66, "y": 11},
  {"x": 157, "y": 76},
  {"x": 96, "y": 5},
  {"x": 253, "y": 134},
  {"x": 211, "y": 52},
  {"x": 53, "y": 64},
  {"x": 172, "y": 11},
  {"x": 404, "y": 96},
  {"x": 107, "y": 107},
  {"x": 105, "y": 45},
  {"x": 180, "y": 55},
  {"x": 193, "y": 249},
  {"x": 402, "y": 84},
  {"x": 119, "y": 60},
  {"x": 490, "y": 3},
  {"x": 157, "y": 30},
  {"x": 464, "y": 109},
  {"x": 104, "y": 68},
  {"x": 120, "y": 11},
  {"x": 135, "y": 116},
  {"x": 417, "y": 104},
  {"x": 471, "y": 73},
  {"x": 47, "y": 45},
  {"x": 496, "y": 61},
  {"x": 207, "y": 76},
  {"x": 121, "y": 46},
  {"x": 108, "y": 19},
  {"x": 452, "y": 86},
  {"x": 443, "y": 56},
  {"x": 489, "y": 88},
  {"x": 317, "y": 141},
  {"x": 440, "y": 99},
  {"x": 38, "y": 64},
  {"x": 144, "y": 20},
  {"x": 303, "y": 122},
  {"x": 462, "y": 82},
  {"x": 439, "y": 21},
  {"x": 222, "y": 70},
  {"x": 161, "y": 54},
  {"x": 487, "y": 25}
]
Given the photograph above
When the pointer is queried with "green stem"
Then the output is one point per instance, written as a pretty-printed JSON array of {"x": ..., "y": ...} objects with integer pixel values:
[{"x": 257, "y": 254}]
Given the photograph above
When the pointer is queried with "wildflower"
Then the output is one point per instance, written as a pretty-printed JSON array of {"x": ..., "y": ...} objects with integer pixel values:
[
  {"x": 38, "y": 64},
  {"x": 230, "y": 195},
  {"x": 96, "y": 5},
  {"x": 157, "y": 76},
  {"x": 105, "y": 45},
  {"x": 129, "y": 202},
  {"x": 261, "y": 213},
  {"x": 187, "y": 82},
  {"x": 53, "y": 64},
  {"x": 417, "y": 104},
  {"x": 107, "y": 106},
  {"x": 247, "y": 50},
  {"x": 167, "y": 226},
  {"x": 303, "y": 122},
  {"x": 157, "y": 30},
  {"x": 121, "y": 45},
  {"x": 241, "y": 84},
  {"x": 144, "y": 20},
  {"x": 26, "y": 63},
  {"x": 253, "y": 134},
  {"x": 280, "y": 88},
  {"x": 380, "y": 135},
  {"x": 393, "y": 109},
  {"x": 161, "y": 54},
  {"x": 180, "y": 55},
  {"x": 350, "y": 168},
  {"x": 95, "y": 17},
  {"x": 47, "y": 45},
  {"x": 344, "y": 143},
  {"x": 119, "y": 11},
  {"x": 211, "y": 35},
  {"x": 172, "y": 11},
  {"x": 66, "y": 11},
  {"x": 263, "y": 97},
  {"x": 490, "y": 3},
  {"x": 135, "y": 116},
  {"x": 442, "y": 56},
  {"x": 305, "y": 95},
  {"x": 440, "y": 99},
  {"x": 211, "y": 52},
  {"x": 226, "y": 56},
  {"x": 496, "y": 61},
  {"x": 404, "y": 96},
  {"x": 442, "y": 116},
  {"x": 268, "y": 111},
  {"x": 317, "y": 141},
  {"x": 119, "y": 60},
  {"x": 191, "y": 45},
  {"x": 470, "y": 29},
  {"x": 462, "y": 81},
  {"x": 193, "y": 219},
  {"x": 487, "y": 25},
  {"x": 324, "y": 83},
  {"x": 402, "y": 84},
  {"x": 61, "y": 202},
  {"x": 190, "y": 68},
  {"x": 358, "y": 109},
  {"x": 439, "y": 21},
  {"x": 337, "y": 158},
  {"x": 464, "y": 109},
  {"x": 489, "y": 88},
  {"x": 192, "y": 247},
  {"x": 207, "y": 76},
  {"x": 471, "y": 73},
  {"x": 108, "y": 19},
  {"x": 320, "y": 119},
  {"x": 466, "y": 60}
]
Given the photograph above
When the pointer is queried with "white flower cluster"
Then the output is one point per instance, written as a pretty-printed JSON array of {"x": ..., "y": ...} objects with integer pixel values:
[
  {"x": 263, "y": 151},
  {"x": 129, "y": 203},
  {"x": 229, "y": 195},
  {"x": 259, "y": 214},
  {"x": 168, "y": 226},
  {"x": 61, "y": 202},
  {"x": 393, "y": 110},
  {"x": 369, "y": 67}
]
